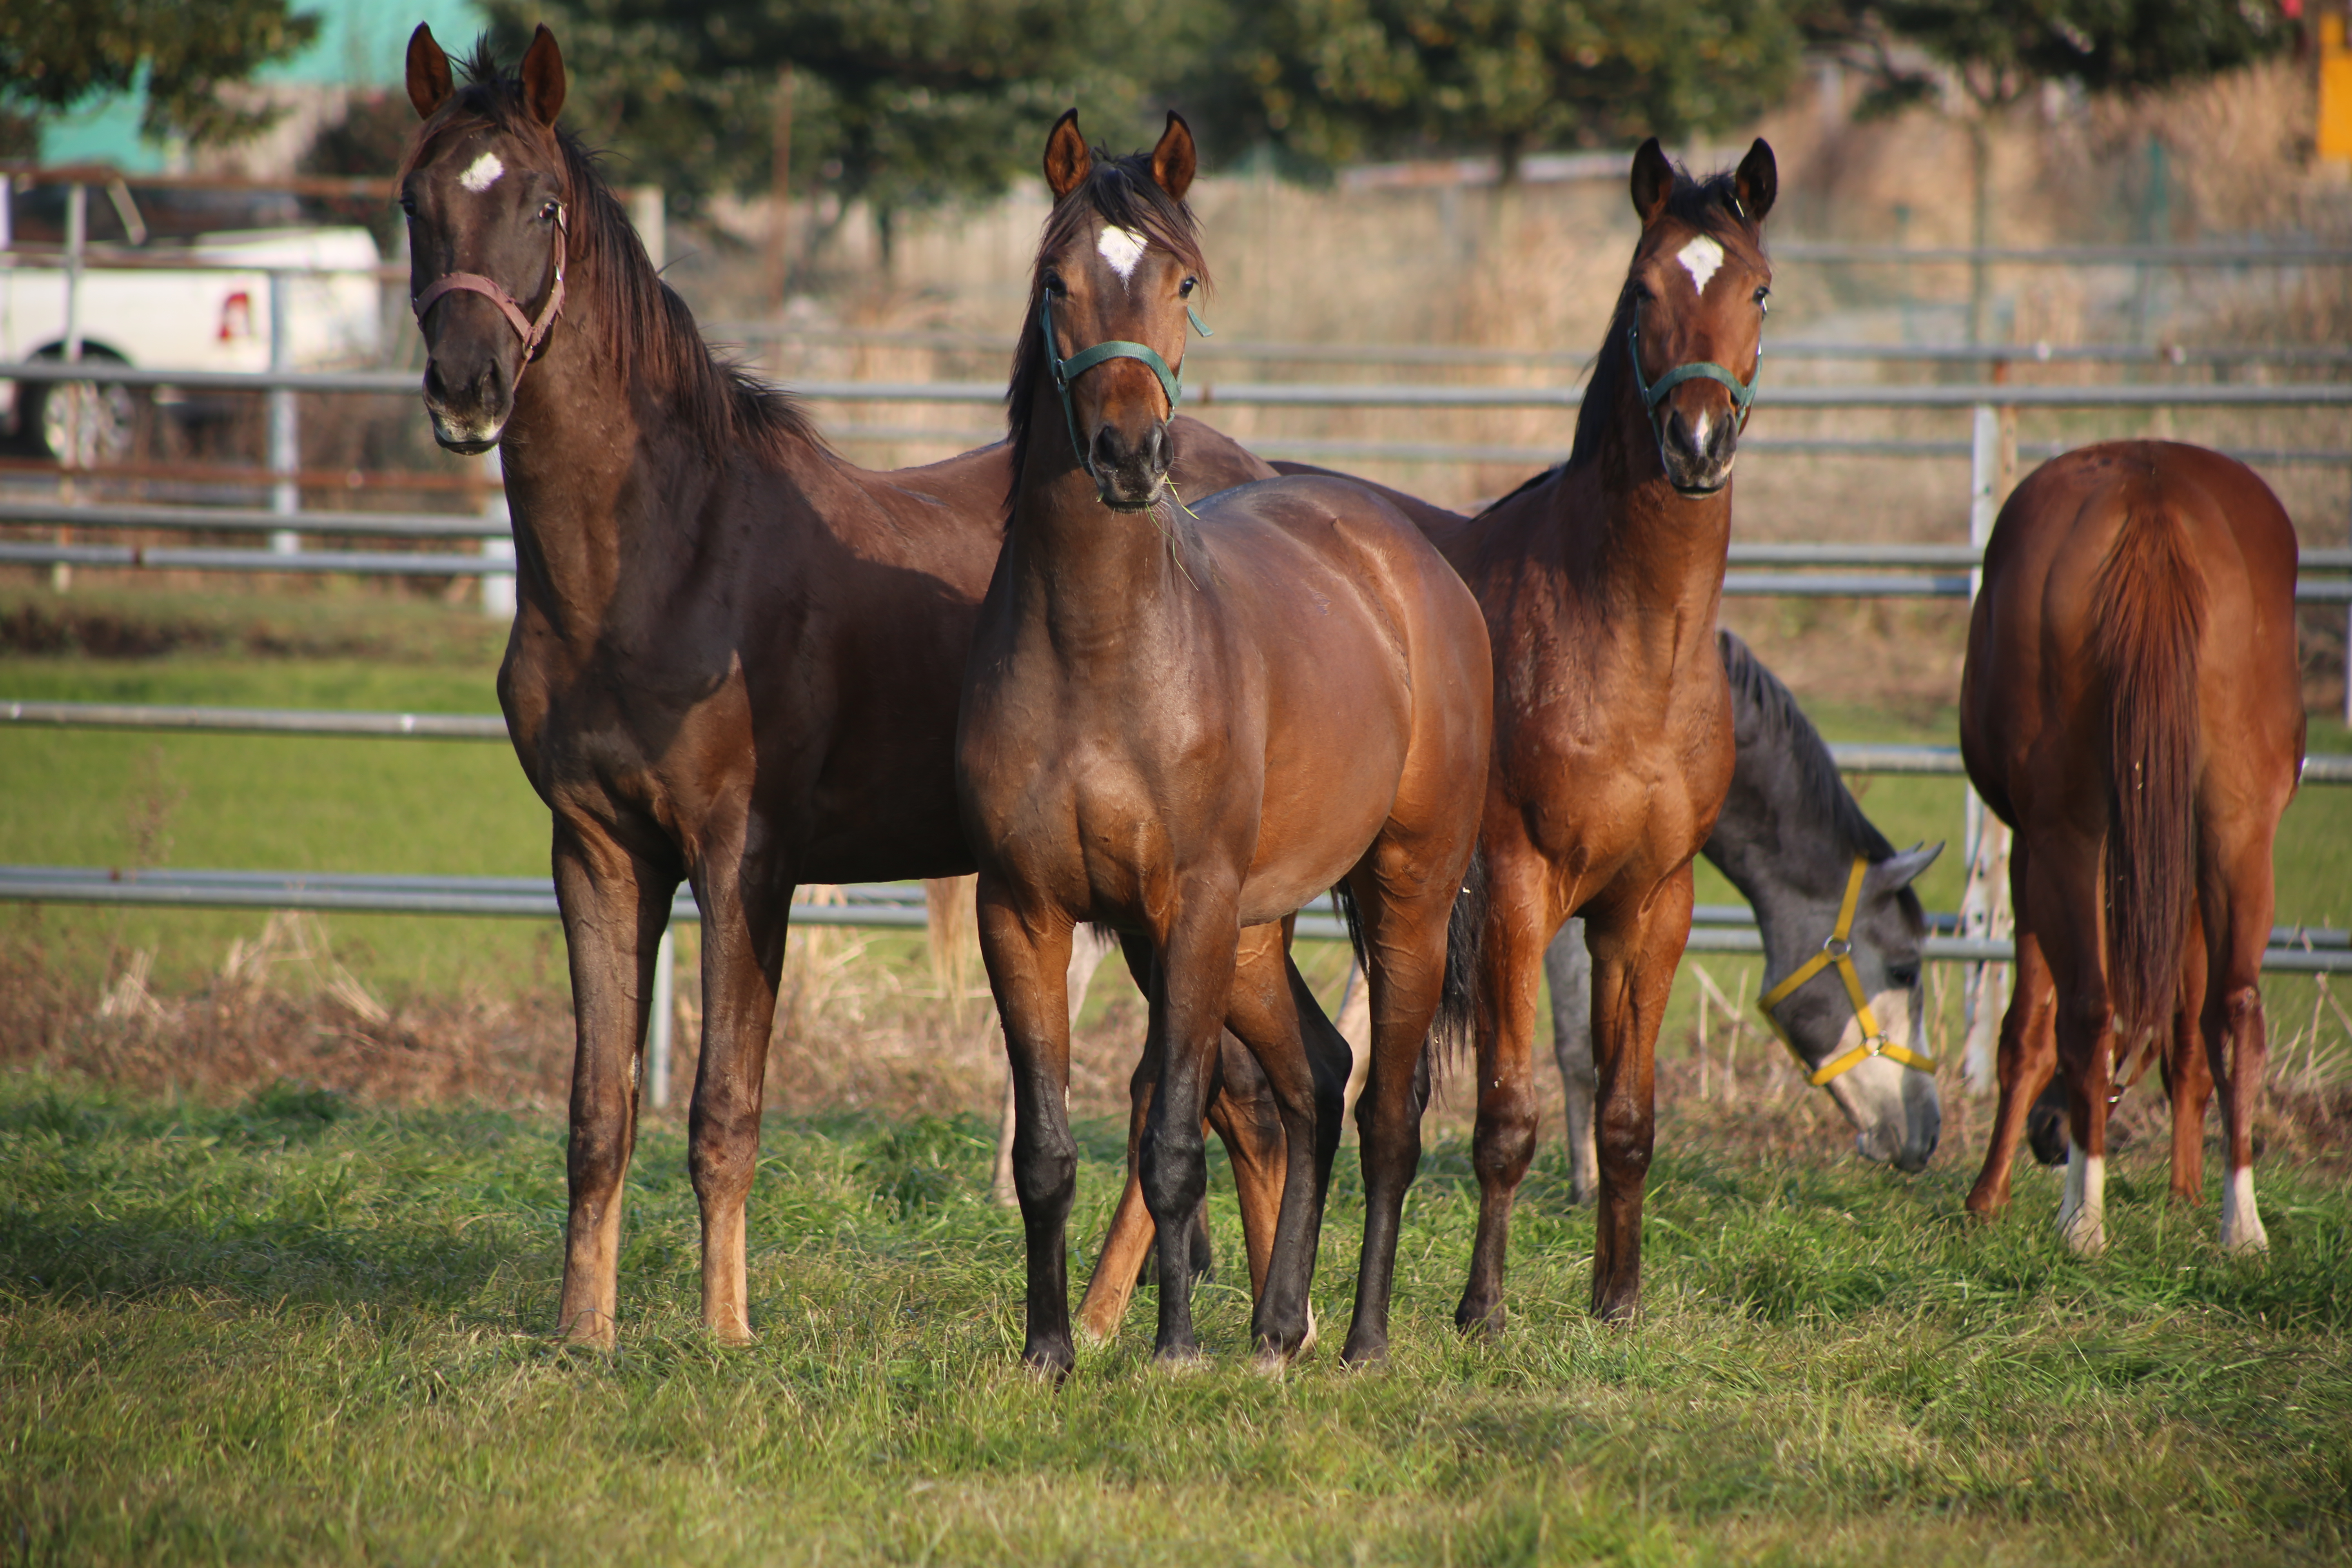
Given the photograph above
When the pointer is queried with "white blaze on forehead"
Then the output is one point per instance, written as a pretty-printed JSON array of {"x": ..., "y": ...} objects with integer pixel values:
[
  {"x": 483, "y": 173},
  {"x": 1700, "y": 258},
  {"x": 1122, "y": 247}
]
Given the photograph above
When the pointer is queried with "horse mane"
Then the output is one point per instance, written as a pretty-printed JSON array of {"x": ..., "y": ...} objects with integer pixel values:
[
  {"x": 645, "y": 327},
  {"x": 1120, "y": 191},
  {"x": 1757, "y": 691},
  {"x": 1712, "y": 207}
]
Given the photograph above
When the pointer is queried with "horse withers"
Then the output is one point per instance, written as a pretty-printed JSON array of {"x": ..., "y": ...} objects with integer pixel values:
[
  {"x": 1829, "y": 891},
  {"x": 736, "y": 656},
  {"x": 1187, "y": 718},
  {"x": 2131, "y": 707}
]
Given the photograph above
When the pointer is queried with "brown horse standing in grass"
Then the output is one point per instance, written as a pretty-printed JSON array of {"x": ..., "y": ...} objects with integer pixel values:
[
  {"x": 1188, "y": 721},
  {"x": 2132, "y": 706},
  {"x": 736, "y": 657},
  {"x": 1613, "y": 753}
]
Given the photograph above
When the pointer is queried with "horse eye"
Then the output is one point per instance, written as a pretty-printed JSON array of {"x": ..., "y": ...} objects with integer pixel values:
[
  {"x": 1904, "y": 975},
  {"x": 1764, "y": 299},
  {"x": 1054, "y": 285},
  {"x": 1184, "y": 289},
  {"x": 409, "y": 203},
  {"x": 547, "y": 213}
]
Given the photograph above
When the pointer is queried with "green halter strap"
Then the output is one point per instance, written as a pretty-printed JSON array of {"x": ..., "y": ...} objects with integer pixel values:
[
  {"x": 1743, "y": 393},
  {"x": 1067, "y": 371}
]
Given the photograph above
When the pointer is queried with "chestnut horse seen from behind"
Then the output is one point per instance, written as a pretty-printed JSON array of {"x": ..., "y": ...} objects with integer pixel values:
[{"x": 2132, "y": 706}]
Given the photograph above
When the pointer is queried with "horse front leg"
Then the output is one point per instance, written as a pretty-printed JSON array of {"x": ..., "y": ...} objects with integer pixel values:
[
  {"x": 1026, "y": 962},
  {"x": 1283, "y": 1161},
  {"x": 614, "y": 904},
  {"x": 1190, "y": 988},
  {"x": 2028, "y": 1054},
  {"x": 1519, "y": 919},
  {"x": 1634, "y": 952},
  {"x": 743, "y": 935}
]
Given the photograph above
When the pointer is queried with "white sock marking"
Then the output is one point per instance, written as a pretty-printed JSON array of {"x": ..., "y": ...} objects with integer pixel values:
[
  {"x": 1122, "y": 247},
  {"x": 2241, "y": 1222},
  {"x": 483, "y": 173},
  {"x": 1700, "y": 258},
  {"x": 2082, "y": 1214}
]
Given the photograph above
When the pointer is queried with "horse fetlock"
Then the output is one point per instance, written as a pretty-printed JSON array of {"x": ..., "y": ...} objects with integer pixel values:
[
  {"x": 2242, "y": 1221},
  {"x": 2082, "y": 1212}
]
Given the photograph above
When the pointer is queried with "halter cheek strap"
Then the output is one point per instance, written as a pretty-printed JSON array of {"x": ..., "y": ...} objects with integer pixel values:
[
  {"x": 533, "y": 333},
  {"x": 1067, "y": 371},
  {"x": 1743, "y": 393},
  {"x": 1838, "y": 950}
]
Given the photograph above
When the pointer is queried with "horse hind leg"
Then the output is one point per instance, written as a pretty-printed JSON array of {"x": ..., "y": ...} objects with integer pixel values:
[
  {"x": 2188, "y": 1078},
  {"x": 2235, "y": 899},
  {"x": 1282, "y": 1162},
  {"x": 1568, "y": 968}
]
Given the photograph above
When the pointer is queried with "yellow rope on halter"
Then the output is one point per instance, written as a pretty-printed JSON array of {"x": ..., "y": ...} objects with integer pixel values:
[{"x": 1839, "y": 950}]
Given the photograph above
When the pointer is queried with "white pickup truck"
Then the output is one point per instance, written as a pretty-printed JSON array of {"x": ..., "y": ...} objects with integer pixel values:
[{"x": 211, "y": 314}]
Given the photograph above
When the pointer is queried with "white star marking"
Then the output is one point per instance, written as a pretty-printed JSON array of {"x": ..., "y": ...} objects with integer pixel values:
[
  {"x": 1122, "y": 247},
  {"x": 483, "y": 174},
  {"x": 1700, "y": 258}
]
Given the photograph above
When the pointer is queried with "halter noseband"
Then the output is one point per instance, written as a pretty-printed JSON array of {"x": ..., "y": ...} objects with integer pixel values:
[
  {"x": 1067, "y": 371},
  {"x": 1839, "y": 950},
  {"x": 533, "y": 333},
  {"x": 1743, "y": 393}
]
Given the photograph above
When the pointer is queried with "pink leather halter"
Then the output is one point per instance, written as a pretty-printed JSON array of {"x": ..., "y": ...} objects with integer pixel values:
[{"x": 532, "y": 332}]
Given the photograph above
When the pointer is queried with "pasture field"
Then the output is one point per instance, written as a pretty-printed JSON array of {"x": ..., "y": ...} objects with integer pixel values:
[{"x": 290, "y": 1329}]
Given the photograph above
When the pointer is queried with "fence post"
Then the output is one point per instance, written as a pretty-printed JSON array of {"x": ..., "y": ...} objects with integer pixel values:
[
  {"x": 664, "y": 1016},
  {"x": 1984, "y": 901},
  {"x": 285, "y": 427},
  {"x": 76, "y": 244},
  {"x": 497, "y": 587}
]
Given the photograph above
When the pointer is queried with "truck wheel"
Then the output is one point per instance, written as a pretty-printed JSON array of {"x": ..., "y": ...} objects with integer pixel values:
[{"x": 97, "y": 421}]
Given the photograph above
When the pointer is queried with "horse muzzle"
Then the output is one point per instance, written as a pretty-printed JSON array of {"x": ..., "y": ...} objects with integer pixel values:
[
  {"x": 1129, "y": 476},
  {"x": 1699, "y": 457},
  {"x": 468, "y": 417}
]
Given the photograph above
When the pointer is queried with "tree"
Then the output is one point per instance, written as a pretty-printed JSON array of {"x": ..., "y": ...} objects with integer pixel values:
[
  {"x": 55, "y": 54},
  {"x": 900, "y": 103},
  {"x": 1997, "y": 51},
  {"x": 1331, "y": 81}
]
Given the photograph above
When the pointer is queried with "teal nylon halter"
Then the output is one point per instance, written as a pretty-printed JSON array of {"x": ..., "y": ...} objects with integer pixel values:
[
  {"x": 1067, "y": 371},
  {"x": 1655, "y": 392}
]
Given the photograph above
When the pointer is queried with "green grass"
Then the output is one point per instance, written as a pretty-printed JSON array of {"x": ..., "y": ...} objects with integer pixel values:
[{"x": 297, "y": 1330}]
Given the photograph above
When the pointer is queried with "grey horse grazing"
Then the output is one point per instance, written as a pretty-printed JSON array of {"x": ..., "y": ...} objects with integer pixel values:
[{"x": 1789, "y": 839}]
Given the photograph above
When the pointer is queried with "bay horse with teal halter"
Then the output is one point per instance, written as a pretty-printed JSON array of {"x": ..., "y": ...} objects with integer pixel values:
[
  {"x": 736, "y": 656},
  {"x": 1187, "y": 718}
]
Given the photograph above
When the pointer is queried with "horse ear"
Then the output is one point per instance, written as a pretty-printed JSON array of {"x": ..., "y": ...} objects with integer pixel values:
[
  {"x": 1758, "y": 181},
  {"x": 543, "y": 77},
  {"x": 1067, "y": 161},
  {"x": 1653, "y": 182},
  {"x": 429, "y": 86},
  {"x": 1898, "y": 871},
  {"x": 1175, "y": 160}
]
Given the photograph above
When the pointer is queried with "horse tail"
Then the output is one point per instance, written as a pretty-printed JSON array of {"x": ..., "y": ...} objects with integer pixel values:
[
  {"x": 1457, "y": 997},
  {"x": 1457, "y": 1001},
  {"x": 2150, "y": 606}
]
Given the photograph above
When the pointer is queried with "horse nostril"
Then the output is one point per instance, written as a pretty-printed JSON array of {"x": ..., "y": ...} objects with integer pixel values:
[{"x": 435, "y": 387}]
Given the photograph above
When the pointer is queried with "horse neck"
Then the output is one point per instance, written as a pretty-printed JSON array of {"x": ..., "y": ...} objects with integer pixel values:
[
  {"x": 607, "y": 479},
  {"x": 1654, "y": 552},
  {"x": 1781, "y": 848},
  {"x": 1088, "y": 573}
]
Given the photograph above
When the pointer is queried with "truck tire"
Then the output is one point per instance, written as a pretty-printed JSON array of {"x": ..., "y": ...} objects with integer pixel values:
[{"x": 104, "y": 416}]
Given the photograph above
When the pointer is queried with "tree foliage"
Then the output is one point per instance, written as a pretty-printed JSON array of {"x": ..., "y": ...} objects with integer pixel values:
[
  {"x": 1333, "y": 79},
  {"x": 58, "y": 54},
  {"x": 900, "y": 102}
]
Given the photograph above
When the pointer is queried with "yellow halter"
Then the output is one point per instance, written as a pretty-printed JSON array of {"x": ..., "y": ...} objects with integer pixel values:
[{"x": 1839, "y": 950}]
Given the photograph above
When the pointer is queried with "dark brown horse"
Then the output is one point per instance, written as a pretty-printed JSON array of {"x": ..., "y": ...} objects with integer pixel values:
[
  {"x": 736, "y": 657},
  {"x": 1613, "y": 753},
  {"x": 1188, "y": 721},
  {"x": 2132, "y": 706}
]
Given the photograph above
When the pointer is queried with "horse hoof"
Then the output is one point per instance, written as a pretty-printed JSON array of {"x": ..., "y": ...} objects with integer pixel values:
[
  {"x": 1049, "y": 1363},
  {"x": 1364, "y": 1350},
  {"x": 1180, "y": 1361},
  {"x": 1621, "y": 1308},
  {"x": 1479, "y": 1323},
  {"x": 589, "y": 1330}
]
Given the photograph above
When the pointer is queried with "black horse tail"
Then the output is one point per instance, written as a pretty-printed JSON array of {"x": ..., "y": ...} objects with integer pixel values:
[
  {"x": 1451, "y": 1029},
  {"x": 1451, "y": 1032},
  {"x": 2149, "y": 612}
]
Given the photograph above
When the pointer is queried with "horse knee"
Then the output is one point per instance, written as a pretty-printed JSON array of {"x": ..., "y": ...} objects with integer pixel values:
[
  {"x": 597, "y": 1156},
  {"x": 1045, "y": 1166},
  {"x": 722, "y": 1149},
  {"x": 1504, "y": 1144},
  {"x": 1174, "y": 1174}
]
